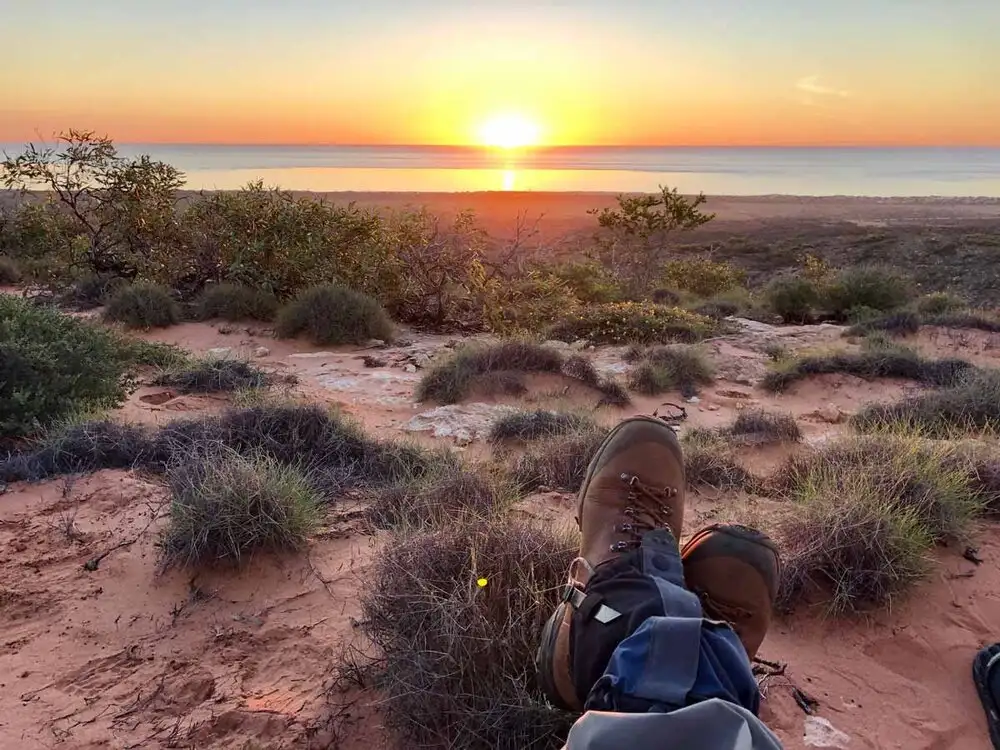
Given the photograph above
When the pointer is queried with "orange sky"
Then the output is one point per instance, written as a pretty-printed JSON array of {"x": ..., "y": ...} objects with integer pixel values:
[{"x": 398, "y": 71}]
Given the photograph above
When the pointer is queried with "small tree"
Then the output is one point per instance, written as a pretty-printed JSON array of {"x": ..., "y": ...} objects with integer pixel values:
[
  {"x": 640, "y": 229},
  {"x": 123, "y": 208}
]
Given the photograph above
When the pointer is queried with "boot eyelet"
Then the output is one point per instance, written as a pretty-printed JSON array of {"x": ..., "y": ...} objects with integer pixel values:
[{"x": 619, "y": 547}]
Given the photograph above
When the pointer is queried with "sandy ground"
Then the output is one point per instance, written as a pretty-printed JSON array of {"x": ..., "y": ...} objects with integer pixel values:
[{"x": 125, "y": 656}]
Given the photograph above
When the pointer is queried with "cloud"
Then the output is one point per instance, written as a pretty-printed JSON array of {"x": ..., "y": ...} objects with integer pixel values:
[{"x": 812, "y": 85}]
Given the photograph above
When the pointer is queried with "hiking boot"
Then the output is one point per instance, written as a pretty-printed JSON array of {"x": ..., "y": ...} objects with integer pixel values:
[
  {"x": 634, "y": 483},
  {"x": 734, "y": 570}
]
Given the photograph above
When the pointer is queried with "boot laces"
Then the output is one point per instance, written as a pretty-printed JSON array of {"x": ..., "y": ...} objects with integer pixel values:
[{"x": 648, "y": 509}]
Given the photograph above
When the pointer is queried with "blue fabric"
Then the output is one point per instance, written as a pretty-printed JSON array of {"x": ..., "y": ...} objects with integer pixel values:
[{"x": 677, "y": 659}]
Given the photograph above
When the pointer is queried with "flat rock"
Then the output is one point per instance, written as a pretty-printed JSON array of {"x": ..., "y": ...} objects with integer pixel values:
[
  {"x": 819, "y": 732},
  {"x": 463, "y": 422},
  {"x": 221, "y": 352}
]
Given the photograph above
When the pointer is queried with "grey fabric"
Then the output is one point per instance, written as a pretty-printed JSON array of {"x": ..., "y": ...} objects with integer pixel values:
[{"x": 711, "y": 725}]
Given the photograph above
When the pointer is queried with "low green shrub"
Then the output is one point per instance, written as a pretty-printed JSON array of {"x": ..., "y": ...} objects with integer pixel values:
[
  {"x": 53, "y": 365},
  {"x": 937, "y": 303},
  {"x": 143, "y": 305},
  {"x": 794, "y": 298},
  {"x": 226, "y": 506},
  {"x": 538, "y": 424},
  {"x": 871, "y": 286},
  {"x": 334, "y": 314},
  {"x": 633, "y": 322},
  {"x": 233, "y": 302},
  {"x": 666, "y": 368},
  {"x": 702, "y": 276},
  {"x": 9, "y": 271}
]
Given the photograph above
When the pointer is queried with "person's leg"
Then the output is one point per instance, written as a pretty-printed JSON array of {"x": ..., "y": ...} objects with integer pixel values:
[{"x": 629, "y": 635}]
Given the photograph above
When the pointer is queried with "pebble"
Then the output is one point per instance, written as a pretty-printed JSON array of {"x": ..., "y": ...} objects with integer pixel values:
[
  {"x": 410, "y": 368},
  {"x": 261, "y": 351}
]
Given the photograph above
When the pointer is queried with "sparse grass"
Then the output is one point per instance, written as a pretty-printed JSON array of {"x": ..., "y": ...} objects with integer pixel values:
[
  {"x": 868, "y": 512},
  {"x": 538, "y": 424},
  {"x": 709, "y": 459},
  {"x": 143, "y": 306},
  {"x": 559, "y": 461},
  {"x": 634, "y": 322},
  {"x": 9, "y": 271},
  {"x": 761, "y": 426},
  {"x": 456, "y": 663},
  {"x": 972, "y": 405},
  {"x": 500, "y": 368},
  {"x": 139, "y": 353},
  {"x": 213, "y": 375},
  {"x": 906, "y": 322},
  {"x": 451, "y": 494},
  {"x": 227, "y": 506},
  {"x": 334, "y": 314},
  {"x": 233, "y": 302},
  {"x": 875, "y": 362},
  {"x": 937, "y": 303},
  {"x": 331, "y": 451},
  {"x": 666, "y": 368}
]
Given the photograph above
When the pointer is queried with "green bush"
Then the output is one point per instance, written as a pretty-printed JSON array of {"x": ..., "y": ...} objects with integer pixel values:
[
  {"x": 937, "y": 303},
  {"x": 633, "y": 322},
  {"x": 666, "y": 368},
  {"x": 875, "y": 287},
  {"x": 590, "y": 282},
  {"x": 226, "y": 506},
  {"x": 334, "y": 314},
  {"x": 702, "y": 277},
  {"x": 143, "y": 305},
  {"x": 233, "y": 302},
  {"x": 794, "y": 298},
  {"x": 91, "y": 290},
  {"x": 9, "y": 271},
  {"x": 52, "y": 365}
]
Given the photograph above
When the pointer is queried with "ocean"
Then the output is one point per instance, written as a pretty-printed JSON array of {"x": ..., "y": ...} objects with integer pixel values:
[{"x": 877, "y": 172}]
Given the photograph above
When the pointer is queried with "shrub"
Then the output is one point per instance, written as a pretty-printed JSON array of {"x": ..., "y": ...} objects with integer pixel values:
[
  {"x": 9, "y": 272},
  {"x": 667, "y": 368},
  {"x": 452, "y": 494},
  {"x": 499, "y": 368},
  {"x": 559, "y": 461},
  {"x": 53, "y": 365},
  {"x": 898, "y": 362},
  {"x": 333, "y": 314},
  {"x": 868, "y": 512},
  {"x": 590, "y": 282},
  {"x": 92, "y": 290},
  {"x": 709, "y": 459},
  {"x": 233, "y": 302},
  {"x": 761, "y": 426},
  {"x": 970, "y": 319},
  {"x": 538, "y": 424},
  {"x": 79, "y": 448},
  {"x": 875, "y": 287},
  {"x": 139, "y": 353},
  {"x": 900, "y": 323},
  {"x": 143, "y": 306},
  {"x": 212, "y": 375},
  {"x": 456, "y": 663},
  {"x": 970, "y": 405},
  {"x": 702, "y": 276},
  {"x": 666, "y": 297},
  {"x": 450, "y": 381},
  {"x": 226, "y": 506},
  {"x": 792, "y": 297},
  {"x": 937, "y": 303},
  {"x": 633, "y": 322}
]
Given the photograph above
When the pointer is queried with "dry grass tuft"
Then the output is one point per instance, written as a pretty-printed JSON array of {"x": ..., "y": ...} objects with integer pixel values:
[
  {"x": 666, "y": 368},
  {"x": 456, "y": 660},
  {"x": 710, "y": 459},
  {"x": 558, "y": 461},
  {"x": 226, "y": 506},
  {"x": 762, "y": 426},
  {"x": 213, "y": 375},
  {"x": 538, "y": 424}
]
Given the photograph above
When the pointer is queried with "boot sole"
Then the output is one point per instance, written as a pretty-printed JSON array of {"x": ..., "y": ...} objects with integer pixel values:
[{"x": 675, "y": 444}]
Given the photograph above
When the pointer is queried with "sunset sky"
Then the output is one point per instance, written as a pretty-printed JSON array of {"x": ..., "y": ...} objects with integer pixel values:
[{"x": 715, "y": 72}]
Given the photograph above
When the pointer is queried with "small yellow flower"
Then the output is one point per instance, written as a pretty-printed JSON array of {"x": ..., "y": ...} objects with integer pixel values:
[{"x": 482, "y": 583}]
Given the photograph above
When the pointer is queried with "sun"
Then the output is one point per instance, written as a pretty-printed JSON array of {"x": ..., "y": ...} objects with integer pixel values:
[{"x": 509, "y": 131}]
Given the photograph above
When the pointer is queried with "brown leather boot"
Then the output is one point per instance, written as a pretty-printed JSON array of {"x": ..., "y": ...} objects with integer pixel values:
[
  {"x": 634, "y": 483},
  {"x": 735, "y": 571}
]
